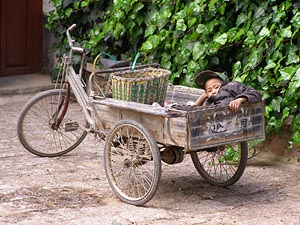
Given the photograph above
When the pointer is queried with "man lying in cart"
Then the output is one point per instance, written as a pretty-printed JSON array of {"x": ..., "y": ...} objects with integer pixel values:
[{"x": 218, "y": 91}]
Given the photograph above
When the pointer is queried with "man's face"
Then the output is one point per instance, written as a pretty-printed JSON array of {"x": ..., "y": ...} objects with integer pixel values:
[{"x": 212, "y": 86}]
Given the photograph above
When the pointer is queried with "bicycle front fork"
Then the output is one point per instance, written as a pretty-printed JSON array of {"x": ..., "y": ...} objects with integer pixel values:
[{"x": 62, "y": 107}]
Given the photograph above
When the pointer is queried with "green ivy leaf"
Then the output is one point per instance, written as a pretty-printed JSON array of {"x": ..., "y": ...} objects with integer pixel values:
[
  {"x": 292, "y": 58},
  {"x": 264, "y": 32},
  {"x": 180, "y": 25},
  {"x": 137, "y": 8},
  {"x": 68, "y": 12},
  {"x": 212, "y": 5},
  {"x": 57, "y": 3},
  {"x": 166, "y": 60},
  {"x": 250, "y": 40},
  {"x": 238, "y": 34},
  {"x": 296, "y": 20},
  {"x": 51, "y": 18},
  {"x": 76, "y": 4},
  {"x": 119, "y": 29},
  {"x": 285, "y": 114},
  {"x": 296, "y": 137},
  {"x": 150, "y": 30},
  {"x": 286, "y": 32},
  {"x": 165, "y": 12},
  {"x": 152, "y": 42},
  {"x": 236, "y": 69},
  {"x": 222, "y": 39},
  {"x": 202, "y": 29},
  {"x": 270, "y": 64},
  {"x": 119, "y": 14},
  {"x": 287, "y": 72},
  {"x": 296, "y": 77},
  {"x": 222, "y": 8},
  {"x": 276, "y": 103},
  {"x": 198, "y": 50},
  {"x": 260, "y": 11},
  {"x": 153, "y": 17},
  {"x": 192, "y": 66},
  {"x": 147, "y": 46},
  {"x": 155, "y": 40},
  {"x": 242, "y": 18},
  {"x": 263, "y": 81},
  {"x": 192, "y": 21},
  {"x": 84, "y": 4},
  {"x": 294, "y": 84}
]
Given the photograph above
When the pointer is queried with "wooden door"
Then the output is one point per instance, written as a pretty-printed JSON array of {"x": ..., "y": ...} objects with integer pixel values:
[{"x": 21, "y": 36}]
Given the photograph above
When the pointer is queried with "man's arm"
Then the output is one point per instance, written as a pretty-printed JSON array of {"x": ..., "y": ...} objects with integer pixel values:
[
  {"x": 201, "y": 99},
  {"x": 243, "y": 94},
  {"x": 249, "y": 93}
]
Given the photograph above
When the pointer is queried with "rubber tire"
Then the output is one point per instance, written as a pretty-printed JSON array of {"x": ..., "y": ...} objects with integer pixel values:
[
  {"x": 28, "y": 138},
  {"x": 109, "y": 163},
  {"x": 218, "y": 182}
]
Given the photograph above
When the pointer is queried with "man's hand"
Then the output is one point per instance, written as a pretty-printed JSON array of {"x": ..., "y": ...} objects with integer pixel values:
[{"x": 235, "y": 104}]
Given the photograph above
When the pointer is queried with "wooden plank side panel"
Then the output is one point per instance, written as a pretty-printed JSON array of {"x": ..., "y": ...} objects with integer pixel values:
[
  {"x": 165, "y": 130},
  {"x": 176, "y": 131},
  {"x": 108, "y": 115},
  {"x": 181, "y": 94},
  {"x": 155, "y": 124},
  {"x": 218, "y": 126}
]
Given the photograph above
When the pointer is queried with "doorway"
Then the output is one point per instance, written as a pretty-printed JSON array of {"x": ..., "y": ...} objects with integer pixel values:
[{"x": 21, "y": 30}]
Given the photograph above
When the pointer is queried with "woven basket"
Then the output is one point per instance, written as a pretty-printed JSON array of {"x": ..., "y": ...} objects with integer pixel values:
[{"x": 144, "y": 86}]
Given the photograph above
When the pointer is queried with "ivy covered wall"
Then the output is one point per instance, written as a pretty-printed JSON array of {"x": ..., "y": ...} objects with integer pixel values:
[{"x": 256, "y": 42}]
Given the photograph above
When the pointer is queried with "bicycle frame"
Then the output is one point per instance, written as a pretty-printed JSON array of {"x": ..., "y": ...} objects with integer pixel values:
[{"x": 75, "y": 82}]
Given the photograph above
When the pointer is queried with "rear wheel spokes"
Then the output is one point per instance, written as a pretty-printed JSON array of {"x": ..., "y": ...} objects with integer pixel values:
[{"x": 222, "y": 165}]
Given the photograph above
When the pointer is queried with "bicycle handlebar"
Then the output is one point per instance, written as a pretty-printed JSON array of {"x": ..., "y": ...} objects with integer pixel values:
[{"x": 71, "y": 41}]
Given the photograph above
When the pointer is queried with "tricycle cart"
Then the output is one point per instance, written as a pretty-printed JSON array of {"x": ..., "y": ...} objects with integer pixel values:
[{"x": 136, "y": 135}]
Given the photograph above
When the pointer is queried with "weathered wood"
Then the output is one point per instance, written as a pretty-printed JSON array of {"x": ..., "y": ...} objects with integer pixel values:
[
  {"x": 218, "y": 125},
  {"x": 154, "y": 118},
  {"x": 181, "y": 94},
  {"x": 193, "y": 130},
  {"x": 132, "y": 106}
]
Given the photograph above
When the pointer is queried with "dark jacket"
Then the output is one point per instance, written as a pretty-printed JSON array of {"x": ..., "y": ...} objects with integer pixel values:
[{"x": 234, "y": 90}]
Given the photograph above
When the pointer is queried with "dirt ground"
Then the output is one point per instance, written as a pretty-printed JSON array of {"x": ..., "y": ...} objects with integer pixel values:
[{"x": 73, "y": 189}]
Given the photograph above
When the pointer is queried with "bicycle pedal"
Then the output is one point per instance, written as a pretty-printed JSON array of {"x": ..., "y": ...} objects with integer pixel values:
[{"x": 70, "y": 126}]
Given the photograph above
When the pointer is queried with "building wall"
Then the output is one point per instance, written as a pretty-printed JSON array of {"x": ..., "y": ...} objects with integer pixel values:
[
  {"x": 47, "y": 6},
  {"x": 49, "y": 59}
]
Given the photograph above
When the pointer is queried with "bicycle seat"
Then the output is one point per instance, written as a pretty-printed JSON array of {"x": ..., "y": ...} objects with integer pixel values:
[{"x": 110, "y": 63}]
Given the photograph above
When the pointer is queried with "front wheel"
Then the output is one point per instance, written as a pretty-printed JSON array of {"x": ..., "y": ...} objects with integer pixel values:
[
  {"x": 221, "y": 165},
  {"x": 132, "y": 162},
  {"x": 36, "y": 124}
]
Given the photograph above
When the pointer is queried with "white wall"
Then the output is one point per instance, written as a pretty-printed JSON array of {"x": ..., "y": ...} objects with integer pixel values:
[{"x": 47, "y": 6}]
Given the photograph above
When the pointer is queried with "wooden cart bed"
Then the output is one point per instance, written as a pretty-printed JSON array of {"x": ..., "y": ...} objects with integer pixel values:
[{"x": 193, "y": 130}]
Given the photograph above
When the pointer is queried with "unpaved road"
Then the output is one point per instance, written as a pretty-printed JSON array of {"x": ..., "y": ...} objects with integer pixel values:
[{"x": 73, "y": 189}]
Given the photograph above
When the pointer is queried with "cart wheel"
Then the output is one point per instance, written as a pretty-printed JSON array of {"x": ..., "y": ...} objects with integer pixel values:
[
  {"x": 223, "y": 165},
  {"x": 35, "y": 130},
  {"x": 132, "y": 162}
]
